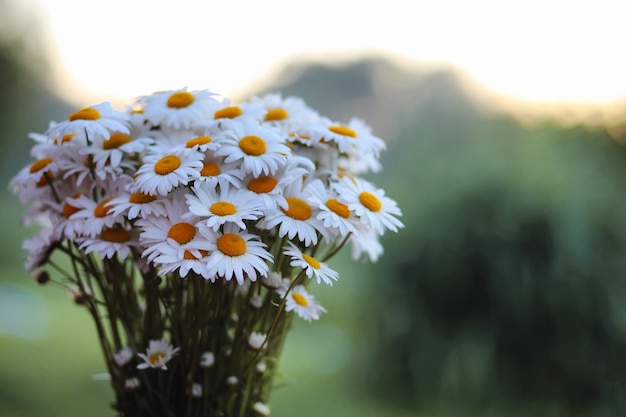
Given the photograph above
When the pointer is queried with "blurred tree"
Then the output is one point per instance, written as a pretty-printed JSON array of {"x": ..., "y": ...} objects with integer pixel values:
[{"x": 509, "y": 295}]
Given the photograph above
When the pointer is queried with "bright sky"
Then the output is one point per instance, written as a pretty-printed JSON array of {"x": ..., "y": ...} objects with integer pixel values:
[{"x": 540, "y": 50}]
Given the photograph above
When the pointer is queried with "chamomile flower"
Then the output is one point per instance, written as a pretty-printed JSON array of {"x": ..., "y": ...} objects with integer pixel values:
[
  {"x": 366, "y": 242},
  {"x": 369, "y": 204},
  {"x": 268, "y": 189},
  {"x": 111, "y": 241},
  {"x": 285, "y": 113},
  {"x": 259, "y": 150},
  {"x": 228, "y": 111},
  {"x": 176, "y": 230},
  {"x": 337, "y": 218},
  {"x": 96, "y": 122},
  {"x": 311, "y": 266},
  {"x": 236, "y": 254},
  {"x": 91, "y": 217},
  {"x": 171, "y": 259},
  {"x": 300, "y": 301},
  {"x": 354, "y": 134},
  {"x": 158, "y": 354},
  {"x": 229, "y": 205},
  {"x": 110, "y": 150},
  {"x": 299, "y": 219},
  {"x": 137, "y": 204},
  {"x": 162, "y": 172},
  {"x": 215, "y": 173},
  {"x": 178, "y": 108}
]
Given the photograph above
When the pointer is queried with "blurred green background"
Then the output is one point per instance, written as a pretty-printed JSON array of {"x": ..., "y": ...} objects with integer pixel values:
[{"x": 501, "y": 297}]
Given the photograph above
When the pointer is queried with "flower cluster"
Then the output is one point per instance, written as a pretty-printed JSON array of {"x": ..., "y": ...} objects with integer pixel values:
[{"x": 252, "y": 198}]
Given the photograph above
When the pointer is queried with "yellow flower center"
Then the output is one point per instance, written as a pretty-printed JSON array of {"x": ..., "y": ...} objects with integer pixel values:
[
  {"x": 88, "y": 113},
  {"x": 40, "y": 164},
  {"x": 338, "y": 208},
  {"x": 189, "y": 256},
  {"x": 300, "y": 299},
  {"x": 252, "y": 145},
  {"x": 167, "y": 165},
  {"x": 298, "y": 209},
  {"x": 200, "y": 140},
  {"x": 69, "y": 209},
  {"x": 182, "y": 232},
  {"x": 116, "y": 235},
  {"x": 115, "y": 141},
  {"x": 276, "y": 114},
  {"x": 262, "y": 185},
  {"x": 141, "y": 198},
  {"x": 343, "y": 130},
  {"x": 229, "y": 112},
  {"x": 370, "y": 201},
  {"x": 66, "y": 138},
  {"x": 311, "y": 261},
  {"x": 210, "y": 169},
  {"x": 156, "y": 357},
  {"x": 231, "y": 244},
  {"x": 180, "y": 100},
  {"x": 102, "y": 208},
  {"x": 46, "y": 178},
  {"x": 223, "y": 208}
]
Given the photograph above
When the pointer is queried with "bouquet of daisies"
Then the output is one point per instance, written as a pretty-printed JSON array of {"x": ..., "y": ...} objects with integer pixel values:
[{"x": 191, "y": 228}]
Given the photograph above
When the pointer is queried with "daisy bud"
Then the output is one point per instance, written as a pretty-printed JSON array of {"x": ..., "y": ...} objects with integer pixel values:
[
  {"x": 261, "y": 409},
  {"x": 256, "y": 302},
  {"x": 261, "y": 367},
  {"x": 124, "y": 356},
  {"x": 42, "y": 277},
  {"x": 256, "y": 340},
  {"x": 232, "y": 380},
  {"x": 273, "y": 280},
  {"x": 207, "y": 360},
  {"x": 132, "y": 384},
  {"x": 196, "y": 390}
]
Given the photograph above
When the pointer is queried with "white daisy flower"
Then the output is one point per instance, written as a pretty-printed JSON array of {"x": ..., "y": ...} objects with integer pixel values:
[
  {"x": 39, "y": 248},
  {"x": 162, "y": 172},
  {"x": 268, "y": 189},
  {"x": 299, "y": 219},
  {"x": 178, "y": 108},
  {"x": 369, "y": 204},
  {"x": 110, "y": 150},
  {"x": 235, "y": 253},
  {"x": 215, "y": 173},
  {"x": 229, "y": 205},
  {"x": 176, "y": 230},
  {"x": 259, "y": 149},
  {"x": 96, "y": 121},
  {"x": 286, "y": 113},
  {"x": 47, "y": 165},
  {"x": 337, "y": 218},
  {"x": 355, "y": 134},
  {"x": 311, "y": 266},
  {"x": 138, "y": 204},
  {"x": 366, "y": 242},
  {"x": 227, "y": 111},
  {"x": 92, "y": 216},
  {"x": 158, "y": 354},
  {"x": 170, "y": 259},
  {"x": 110, "y": 242},
  {"x": 300, "y": 301},
  {"x": 256, "y": 340}
]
